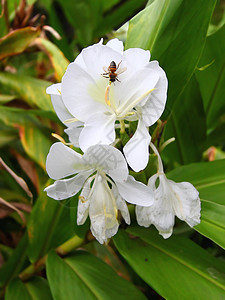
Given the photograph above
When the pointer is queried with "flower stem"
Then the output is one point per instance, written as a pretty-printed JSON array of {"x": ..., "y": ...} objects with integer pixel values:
[
  {"x": 122, "y": 127},
  {"x": 63, "y": 249},
  {"x": 160, "y": 164}
]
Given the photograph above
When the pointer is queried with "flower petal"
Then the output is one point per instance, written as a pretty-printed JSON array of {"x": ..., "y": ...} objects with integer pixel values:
[
  {"x": 116, "y": 45},
  {"x": 135, "y": 192},
  {"x": 135, "y": 59},
  {"x": 136, "y": 150},
  {"x": 108, "y": 159},
  {"x": 161, "y": 213},
  {"x": 103, "y": 211},
  {"x": 155, "y": 104},
  {"x": 76, "y": 93},
  {"x": 83, "y": 203},
  {"x": 98, "y": 129},
  {"x": 134, "y": 90},
  {"x": 62, "y": 161},
  {"x": 63, "y": 189},
  {"x": 186, "y": 202},
  {"x": 74, "y": 134}
]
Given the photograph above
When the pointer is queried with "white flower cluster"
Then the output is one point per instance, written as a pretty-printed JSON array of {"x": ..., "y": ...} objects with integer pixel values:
[{"x": 104, "y": 89}]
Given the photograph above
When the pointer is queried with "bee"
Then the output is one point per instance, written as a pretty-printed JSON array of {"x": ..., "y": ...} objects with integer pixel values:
[{"x": 111, "y": 71}]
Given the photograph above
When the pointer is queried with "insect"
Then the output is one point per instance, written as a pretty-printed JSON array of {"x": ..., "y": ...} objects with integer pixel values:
[{"x": 111, "y": 71}]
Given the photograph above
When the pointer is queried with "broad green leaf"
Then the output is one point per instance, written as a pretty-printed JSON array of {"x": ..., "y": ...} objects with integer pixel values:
[
  {"x": 31, "y": 90},
  {"x": 35, "y": 289},
  {"x": 174, "y": 31},
  {"x": 34, "y": 142},
  {"x": 209, "y": 180},
  {"x": 84, "y": 276},
  {"x": 49, "y": 226},
  {"x": 15, "y": 263},
  {"x": 17, "y": 41},
  {"x": 117, "y": 17},
  {"x": 212, "y": 79},
  {"x": 187, "y": 124},
  {"x": 175, "y": 268},
  {"x": 6, "y": 98},
  {"x": 58, "y": 60}
]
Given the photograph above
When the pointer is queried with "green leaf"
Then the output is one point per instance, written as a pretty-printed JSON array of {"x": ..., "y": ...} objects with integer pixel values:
[
  {"x": 84, "y": 276},
  {"x": 209, "y": 180},
  {"x": 6, "y": 98},
  {"x": 48, "y": 226},
  {"x": 35, "y": 289},
  {"x": 174, "y": 31},
  {"x": 31, "y": 90},
  {"x": 17, "y": 41},
  {"x": 58, "y": 60},
  {"x": 34, "y": 142},
  {"x": 212, "y": 79},
  {"x": 187, "y": 124},
  {"x": 15, "y": 263},
  {"x": 176, "y": 266}
]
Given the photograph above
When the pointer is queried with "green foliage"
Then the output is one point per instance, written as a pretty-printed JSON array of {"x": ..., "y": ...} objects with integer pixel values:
[{"x": 39, "y": 255}]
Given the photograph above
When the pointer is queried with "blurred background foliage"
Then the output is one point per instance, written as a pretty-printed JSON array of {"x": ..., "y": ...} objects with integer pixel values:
[{"x": 38, "y": 39}]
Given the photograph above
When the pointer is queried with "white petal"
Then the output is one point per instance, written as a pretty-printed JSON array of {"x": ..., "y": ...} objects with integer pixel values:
[
  {"x": 83, "y": 203},
  {"x": 76, "y": 93},
  {"x": 74, "y": 134},
  {"x": 54, "y": 89},
  {"x": 98, "y": 129},
  {"x": 161, "y": 213},
  {"x": 99, "y": 56},
  {"x": 121, "y": 204},
  {"x": 116, "y": 45},
  {"x": 133, "y": 91},
  {"x": 103, "y": 211},
  {"x": 135, "y": 192},
  {"x": 62, "y": 161},
  {"x": 135, "y": 59},
  {"x": 108, "y": 159},
  {"x": 155, "y": 104},
  {"x": 63, "y": 189},
  {"x": 186, "y": 202},
  {"x": 136, "y": 150}
]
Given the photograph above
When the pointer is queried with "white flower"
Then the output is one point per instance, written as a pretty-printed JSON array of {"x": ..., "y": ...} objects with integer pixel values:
[
  {"x": 138, "y": 93},
  {"x": 171, "y": 199},
  {"x": 102, "y": 174},
  {"x": 74, "y": 127}
]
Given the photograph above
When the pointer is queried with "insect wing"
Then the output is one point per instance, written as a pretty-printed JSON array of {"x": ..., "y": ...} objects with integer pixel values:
[{"x": 121, "y": 70}]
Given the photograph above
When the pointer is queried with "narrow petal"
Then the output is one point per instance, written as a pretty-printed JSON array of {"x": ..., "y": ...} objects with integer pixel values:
[
  {"x": 108, "y": 159},
  {"x": 83, "y": 203},
  {"x": 161, "y": 213},
  {"x": 74, "y": 134},
  {"x": 62, "y": 161},
  {"x": 103, "y": 211},
  {"x": 135, "y": 192},
  {"x": 63, "y": 189},
  {"x": 98, "y": 129},
  {"x": 155, "y": 104},
  {"x": 77, "y": 95},
  {"x": 186, "y": 202},
  {"x": 116, "y": 45},
  {"x": 121, "y": 205},
  {"x": 136, "y": 150}
]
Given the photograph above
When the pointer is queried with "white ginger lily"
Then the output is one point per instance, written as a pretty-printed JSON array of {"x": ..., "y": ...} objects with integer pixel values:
[
  {"x": 138, "y": 93},
  {"x": 102, "y": 174},
  {"x": 74, "y": 126},
  {"x": 171, "y": 199}
]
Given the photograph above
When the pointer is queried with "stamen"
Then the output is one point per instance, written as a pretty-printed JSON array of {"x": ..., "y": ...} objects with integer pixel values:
[
  {"x": 82, "y": 199},
  {"x": 68, "y": 121},
  {"x": 58, "y": 137},
  {"x": 107, "y": 101},
  {"x": 59, "y": 91}
]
